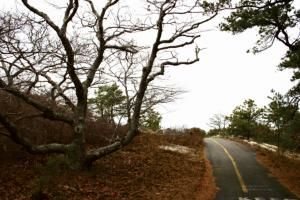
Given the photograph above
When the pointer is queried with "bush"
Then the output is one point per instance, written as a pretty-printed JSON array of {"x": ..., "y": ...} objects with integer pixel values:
[{"x": 42, "y": 131}]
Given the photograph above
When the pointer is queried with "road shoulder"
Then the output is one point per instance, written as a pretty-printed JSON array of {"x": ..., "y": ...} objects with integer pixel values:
[{"x": 285, "y": 170}]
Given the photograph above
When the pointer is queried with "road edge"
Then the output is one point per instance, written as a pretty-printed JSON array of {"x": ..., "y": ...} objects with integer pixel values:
[
  {"x": 267, "y": 165},
  {"x": 208, "y": 182}
]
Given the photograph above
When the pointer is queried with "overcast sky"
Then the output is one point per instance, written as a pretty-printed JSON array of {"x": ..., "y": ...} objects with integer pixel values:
[{"x": 223, "y": 78}]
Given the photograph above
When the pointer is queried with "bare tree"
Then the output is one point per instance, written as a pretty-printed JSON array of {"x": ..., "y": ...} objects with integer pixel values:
[
  {"x": 65, "y": 57},
  {"x": 125, "y": 70},
  {"x": 218, "y": 121}
]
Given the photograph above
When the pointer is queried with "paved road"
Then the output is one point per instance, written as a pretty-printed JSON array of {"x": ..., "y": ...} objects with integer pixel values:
[{"x": 239, "y": 176}]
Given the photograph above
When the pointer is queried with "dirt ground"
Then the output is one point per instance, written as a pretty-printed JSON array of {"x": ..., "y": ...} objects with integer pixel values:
[{"x": 141, "y": 170}]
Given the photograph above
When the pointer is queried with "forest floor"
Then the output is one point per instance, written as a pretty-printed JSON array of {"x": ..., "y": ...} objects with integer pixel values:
[{"x": 149, "y": 168}]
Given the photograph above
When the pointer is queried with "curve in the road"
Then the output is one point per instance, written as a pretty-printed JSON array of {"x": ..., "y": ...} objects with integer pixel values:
[
  {"x": 235, "y": 167},
  {"x": 239, "y": 176}
]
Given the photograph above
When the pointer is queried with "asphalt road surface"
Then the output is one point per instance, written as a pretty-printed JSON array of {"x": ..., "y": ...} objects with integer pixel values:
[{"x": 239, "y": 176}]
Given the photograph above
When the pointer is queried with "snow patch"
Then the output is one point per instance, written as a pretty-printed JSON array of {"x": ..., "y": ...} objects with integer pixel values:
[
  {"x": 262, "y": 145},
  {"x": 273, "y": 148},
  {"x": 177, "y": 148}
]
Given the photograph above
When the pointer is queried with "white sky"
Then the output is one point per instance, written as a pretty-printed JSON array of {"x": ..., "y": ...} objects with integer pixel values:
[{"x": 225, "y": 76}]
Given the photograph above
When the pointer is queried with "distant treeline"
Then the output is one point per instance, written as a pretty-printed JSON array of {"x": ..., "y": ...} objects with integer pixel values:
[{"x": 278, "y": 123}]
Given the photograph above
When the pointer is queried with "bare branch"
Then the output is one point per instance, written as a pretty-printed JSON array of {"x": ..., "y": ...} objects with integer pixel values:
[
  {"x": 129, "y": 49},
  {"x": 171, "y": 63},
  {"x": 69, "y": 14},
  {"x": 47, "y": 112},
  {"x": 42, "y": 15},
  {"x": 65, "y": 41},
  {"x": 180, "y": 45},
  {"x": 60, "y": 91},
  {"x": 17, "y": 138}
]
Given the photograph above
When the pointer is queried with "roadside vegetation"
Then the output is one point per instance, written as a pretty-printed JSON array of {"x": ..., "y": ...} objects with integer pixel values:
[
  {"x": 151, "y": 167},
  {"x": 79, "y": 91},
  {"x": 67, "y": 50},
  {"x": 278, "y": 122},
  {"x": 79, "y": 87},
  {"x": 286, "y": 170},
  {"x": 142, "y": 170}
]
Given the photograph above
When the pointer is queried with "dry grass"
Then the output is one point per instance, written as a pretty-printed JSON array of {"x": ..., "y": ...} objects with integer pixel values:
[
  {"x": 209, "y": 187},
  {"x": 286, "y": 170},
  {"x": 139, "y": 171}
]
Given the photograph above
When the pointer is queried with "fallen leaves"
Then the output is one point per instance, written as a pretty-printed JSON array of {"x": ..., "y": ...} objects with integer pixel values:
[{"x": 139, "y": 171}]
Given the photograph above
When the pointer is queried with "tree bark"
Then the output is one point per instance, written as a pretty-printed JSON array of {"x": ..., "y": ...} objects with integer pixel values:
[{"x": 76, "y": 153}]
